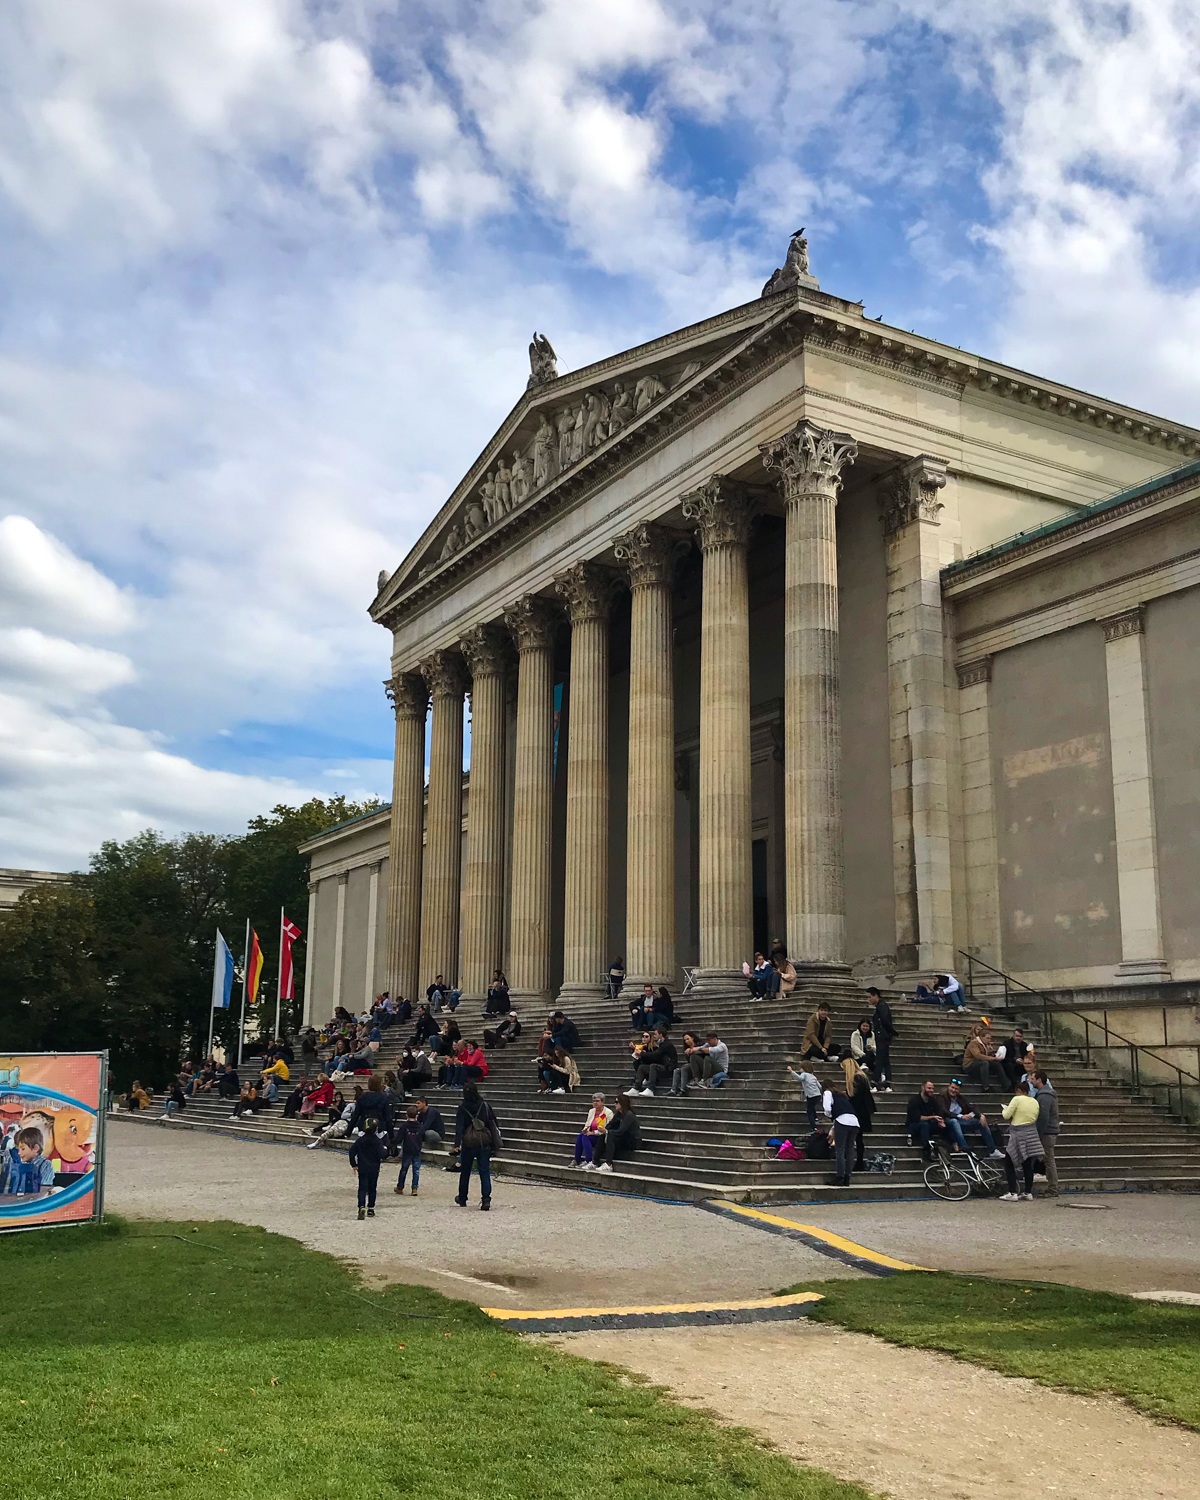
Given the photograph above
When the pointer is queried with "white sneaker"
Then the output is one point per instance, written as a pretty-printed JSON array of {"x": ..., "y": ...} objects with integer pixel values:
[
  {"x": 604, "y": 1167},
  {"x": 647, "y": 1093},
  {"x": 1025, "y": 1197},
  {"x": 590, "y": 1166},
  {"x": 887, "y": 1090},
  {"x": 632, "y": 1093},
  {"x": 1009, "y": 1197},
  {"x": 312, "y": 1145},
  {"x": 996, "y": 1156},
  {"x": 558, "y": 1091},
  {"x": 1038, "y": 1177}
]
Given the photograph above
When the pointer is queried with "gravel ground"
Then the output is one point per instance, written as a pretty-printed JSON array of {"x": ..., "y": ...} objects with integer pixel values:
[
  {"x": 907, "y": 1422},
  {"x": 1113, "y": 1242},
  {"x": 539, "y": 1247}
]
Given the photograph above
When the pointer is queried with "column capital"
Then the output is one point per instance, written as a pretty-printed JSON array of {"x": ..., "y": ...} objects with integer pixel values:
[
  {"x": 646, "y": 553},
  {"x": 408, "y": 695},
  {"x": 487, "y": 649},
  {"x": 313, "y": 887},
  {"x": 343, "y": 877},
  {"x": 1128, "y": 622},
  {"x": 810, "y": 460},
  {"x": 910, "y": 493},
  {"x": 587, "y": 587},
  {"x": 722, "y": 511},
  {"x": 532, "y": 622},
  {"x": 972, "y": 673},
  {"x": 446, "y": 674}
]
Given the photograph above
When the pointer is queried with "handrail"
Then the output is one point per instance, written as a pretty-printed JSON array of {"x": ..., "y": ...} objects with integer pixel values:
[{"x": 1135, "y": 1050}]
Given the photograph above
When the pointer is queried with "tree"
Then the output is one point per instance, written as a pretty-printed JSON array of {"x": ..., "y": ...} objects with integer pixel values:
[{"x": 52, "y": 991}]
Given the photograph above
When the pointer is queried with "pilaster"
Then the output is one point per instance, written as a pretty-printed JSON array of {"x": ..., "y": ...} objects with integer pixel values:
[
  {"x": 445, "y": 672},
  {"x": 410, "y": 702},
  {"x": 488, "y": 654}
]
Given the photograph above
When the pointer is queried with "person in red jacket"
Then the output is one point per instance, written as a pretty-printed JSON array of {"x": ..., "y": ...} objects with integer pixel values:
[{"x": 470, "y": 1065}]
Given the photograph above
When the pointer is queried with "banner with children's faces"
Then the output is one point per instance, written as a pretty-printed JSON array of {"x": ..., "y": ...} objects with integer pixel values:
[{"x": 51, "y": 1137}]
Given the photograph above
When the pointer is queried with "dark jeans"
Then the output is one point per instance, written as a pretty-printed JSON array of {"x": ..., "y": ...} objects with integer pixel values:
[
  {"x": 368, "y": 1181},
  {"x": 413, "y": 1083},
  {"x": 554, "y": 1078},
  {"x": 606, "y": 1149},
  {"x": 810, "y": 1106},
  {"x": 926, "y": 1131},
  {"x": 831, "y": 1055},
  {"x": 845, "y": 1139},
  {"x": 472, "y": 1156},
  {"x": 463, "y": 1071},
  {"x": 649, "y": 1075},
  {"x": 883, "y": 1059},
  {"x": 980, "y": 1072},
  {"x": 1011, "y": 1175},
  {"x": 405, "y": 1163},
  {"x": 958, "y": 1129},
  {"x": 497, "y": 1003}
]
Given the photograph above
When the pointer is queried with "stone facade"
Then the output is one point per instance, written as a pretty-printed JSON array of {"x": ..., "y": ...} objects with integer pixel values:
[{"x": 749, "y": 657}]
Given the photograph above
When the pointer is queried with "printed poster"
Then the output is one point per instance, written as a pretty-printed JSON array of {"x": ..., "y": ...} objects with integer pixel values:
[{"x": 51, "y": 1137}]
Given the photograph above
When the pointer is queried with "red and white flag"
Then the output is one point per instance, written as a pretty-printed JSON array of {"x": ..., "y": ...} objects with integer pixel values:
[{"x": 288, "y": 933}]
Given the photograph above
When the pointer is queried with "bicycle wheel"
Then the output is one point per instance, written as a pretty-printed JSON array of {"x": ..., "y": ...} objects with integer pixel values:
[
  {"x": 945, "y": 1181},
  {"x": 991, "y": 1180}
]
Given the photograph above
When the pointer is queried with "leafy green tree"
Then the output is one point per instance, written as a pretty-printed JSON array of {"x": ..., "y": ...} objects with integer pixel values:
[{"x": 52, "y": 991}]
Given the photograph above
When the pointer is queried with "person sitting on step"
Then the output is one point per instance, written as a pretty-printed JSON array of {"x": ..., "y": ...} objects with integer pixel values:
[
  {"x": 638, "y": 1045},
  {"x": 818, "y": 1040},
  {"x": 980, "y": 1061},
  {"x": 497, "y": 995},
  {"x": 656, "y": 1064},
  {"x": 712, "y": 1063},
  {"x": 664, "y": 1008},
  {"x": 319, "y": 1096},
  {"x": 962, "y": 1117},
  {"x": 415, "y": 1070},
  {"x": 558, "y": 1073},
  {"x": 642, "y": 1008},
  {"x": 763, "y": 979},
  {"x": 339, "y": 1128},
  {"x": 598, "y": 1117},
  {"x": 862, "y": 1047},
  {"x": 424, "y": 1027},
  {"x": 621, "y": 1136},
  {"x": 681, "y": 1078},
  {"x": 924, "y": 1120},
  {"x": 470, "y": 1065},
  {"x": 564, "y": 1032},
  {"x": 498, "y": 1037}
]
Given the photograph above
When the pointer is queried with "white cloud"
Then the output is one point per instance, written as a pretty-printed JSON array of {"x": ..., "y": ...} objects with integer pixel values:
[
  {"x": 43, "y": 581},
  {"x": 48, "y": 666}
]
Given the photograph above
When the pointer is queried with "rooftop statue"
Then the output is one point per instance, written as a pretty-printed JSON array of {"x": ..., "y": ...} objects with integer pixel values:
[
  {"x": 543, "y": 362},
  {"x": 794, "y": 272}
]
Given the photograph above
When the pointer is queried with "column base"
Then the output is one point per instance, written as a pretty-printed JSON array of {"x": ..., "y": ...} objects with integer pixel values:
[
  {"x": 571, "y": 992},
  {"x": 721, "y": 984},
  {"x": 819, "y": 977},
  {"x": 535, "y": 998},
  {"x": 1142, "y": 971}
]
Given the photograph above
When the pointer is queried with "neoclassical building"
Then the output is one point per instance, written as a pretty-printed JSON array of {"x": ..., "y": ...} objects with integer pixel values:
[{"x": 788, "y": 624}]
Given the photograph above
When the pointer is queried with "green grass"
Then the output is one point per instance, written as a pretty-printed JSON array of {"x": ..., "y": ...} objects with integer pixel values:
[
  {"x": 1146, "y": 1352},
  {"x": 149, "y": 1359}
]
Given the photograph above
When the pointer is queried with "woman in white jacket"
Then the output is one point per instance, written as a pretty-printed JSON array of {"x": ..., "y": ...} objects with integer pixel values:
[
  {"x": 862, "y": 1047},
  {"x": 593, "y": 1126}
]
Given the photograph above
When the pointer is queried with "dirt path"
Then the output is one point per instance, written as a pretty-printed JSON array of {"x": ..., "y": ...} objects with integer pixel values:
[{"x": 905, "y": 1422}]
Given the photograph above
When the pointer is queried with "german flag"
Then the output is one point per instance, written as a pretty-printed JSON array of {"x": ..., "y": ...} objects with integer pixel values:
[{"x": 254, "y": 966}]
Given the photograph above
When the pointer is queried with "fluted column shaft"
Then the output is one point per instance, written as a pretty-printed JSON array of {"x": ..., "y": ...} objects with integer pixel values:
[
  {"x": 532, "y": 624},
  {"x": 440, "y": 894},
  {"x": 587, "y": 590},
  {"x": 811, "y": 461},
  {"x": 650, "y": 862},
  {"x": 487, "y": 652},
  {"x": 722, "y": 511},
  {"x": 410, "y": 700}
]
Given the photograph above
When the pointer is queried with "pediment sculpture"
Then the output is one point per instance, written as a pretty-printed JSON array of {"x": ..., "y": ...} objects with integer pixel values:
[{"x": 794, "y": 272}]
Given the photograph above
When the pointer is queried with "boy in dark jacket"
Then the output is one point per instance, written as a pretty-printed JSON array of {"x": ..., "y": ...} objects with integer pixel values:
[
  {"x": 411, "y": 1138},
  {"x": 365, "y": 1156}
]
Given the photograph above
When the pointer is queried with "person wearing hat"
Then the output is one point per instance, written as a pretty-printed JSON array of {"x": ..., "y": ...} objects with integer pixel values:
[{"x": 498, "y": 1037}]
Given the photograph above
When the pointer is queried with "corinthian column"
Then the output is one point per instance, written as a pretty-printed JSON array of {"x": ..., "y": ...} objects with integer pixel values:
[
  {"x": 810, "y": 462},
  {"x": 487, "y": 651},
  {"x": 588, "y": 592},
  {"x": 533, "y": 623},
  {"x": 723, "y": 511},
  {"x": 410, "y": 700},
  {"x": 646, "y": 553},
  {"x": 440, "y": 896}
]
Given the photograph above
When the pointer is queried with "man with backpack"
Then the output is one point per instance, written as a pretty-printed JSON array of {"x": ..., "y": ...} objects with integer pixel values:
[{"x": 476, "y": 1136}]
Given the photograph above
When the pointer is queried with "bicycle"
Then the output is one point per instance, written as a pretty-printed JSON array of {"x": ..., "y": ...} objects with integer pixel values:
[{"x": 954, "y": 1183}]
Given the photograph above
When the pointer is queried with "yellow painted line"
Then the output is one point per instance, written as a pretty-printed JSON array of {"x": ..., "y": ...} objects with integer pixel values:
[
  {"x": 539, "y": 1313},
  {"x": 836, "y": 1241}
]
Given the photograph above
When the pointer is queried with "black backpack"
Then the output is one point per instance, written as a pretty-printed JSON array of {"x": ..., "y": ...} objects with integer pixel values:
[{"x": 478, "y": 1133}]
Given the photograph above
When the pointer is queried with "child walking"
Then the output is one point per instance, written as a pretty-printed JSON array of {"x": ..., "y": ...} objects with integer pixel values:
[
  {"x": 412, "y": 1138},
  {"x": 811, "y": 1090},
  {"x": 365, "y": 1156}
]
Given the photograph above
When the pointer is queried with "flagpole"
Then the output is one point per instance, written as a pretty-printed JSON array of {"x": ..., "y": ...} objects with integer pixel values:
[
  {"x": 245, "y": 981},
  {"x": 212, "y": 1013},
  {"x": 279, "y": 980}
]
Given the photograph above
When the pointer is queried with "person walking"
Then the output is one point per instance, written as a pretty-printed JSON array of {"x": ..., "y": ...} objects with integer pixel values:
[
  {"x": 366, "y": 1154},
  {"x": 476, "y": 1136},
  {"x": 884, "y": 1029},
  {"x": 1047, "y": 1127},
  {"x": 411, "y": 1139},
  {"x": 840, "y": 1109},
  {"x": 1024, "y": 1144}
]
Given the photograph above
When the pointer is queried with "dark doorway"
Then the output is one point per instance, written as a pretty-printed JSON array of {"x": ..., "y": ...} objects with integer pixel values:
[{"x": 762, "y": 912}]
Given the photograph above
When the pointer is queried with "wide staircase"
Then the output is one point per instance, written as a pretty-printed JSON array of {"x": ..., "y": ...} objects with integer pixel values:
[{"x": 713, "y": 1143}]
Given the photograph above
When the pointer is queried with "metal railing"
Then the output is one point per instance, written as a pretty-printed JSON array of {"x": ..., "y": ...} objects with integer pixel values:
[{"x": 1020, "y": 997}]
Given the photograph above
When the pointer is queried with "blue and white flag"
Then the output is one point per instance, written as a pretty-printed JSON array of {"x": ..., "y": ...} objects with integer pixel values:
[{"x": 222, "y": 975}]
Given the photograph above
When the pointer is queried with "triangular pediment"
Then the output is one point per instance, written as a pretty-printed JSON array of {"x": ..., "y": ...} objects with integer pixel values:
[{"x": 560, "y": 427}]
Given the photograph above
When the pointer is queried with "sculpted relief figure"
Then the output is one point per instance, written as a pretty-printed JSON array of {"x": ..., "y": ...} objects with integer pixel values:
[
  {"x": 543, "y": 362},
  {"x": 452, "y": 544},
  {"x": 565, "y": 422},
  {"x": 503, "y": 491},
  {"x": 545, "y": 453},
  {"x": 577, "y": 443},
  {"x": 475, "y": 519},
  {"x": 647, "y": 391},
  {"x": 487, "y": 492},
  {"x": 595, "y": 424},
  {"x": 519, "y": 483},
  {"x": 384, "y": 575},
  {"x": 622, "y": 407}
]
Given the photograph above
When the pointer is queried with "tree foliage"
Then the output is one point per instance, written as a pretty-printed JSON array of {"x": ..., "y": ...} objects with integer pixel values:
[{"x": 122, "y": 957}]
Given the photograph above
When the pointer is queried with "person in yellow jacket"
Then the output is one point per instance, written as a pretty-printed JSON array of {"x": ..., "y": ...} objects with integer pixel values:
[
  {"x": 1024, "y": 1145},
  {"x": 278, "y": 1069}
]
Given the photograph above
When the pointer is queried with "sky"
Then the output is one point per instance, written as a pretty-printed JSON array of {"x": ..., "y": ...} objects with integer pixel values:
[{"x": 270, "y": 269}]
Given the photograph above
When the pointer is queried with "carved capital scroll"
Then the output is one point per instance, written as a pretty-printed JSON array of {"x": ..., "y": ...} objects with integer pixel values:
[
  {"x": 910, "y": 493},
  {"x": 408, "y": 695},
  {"x": 533, "y": 622},
  {"x": 487, "y": 649},
  {"x": 587, "y": 588},
  {"x": 646, "y": 553},
  {"x": 446, "y": 674},
  {"x": 723, "y": 512},
  {"x": 810, "y": 460}
]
